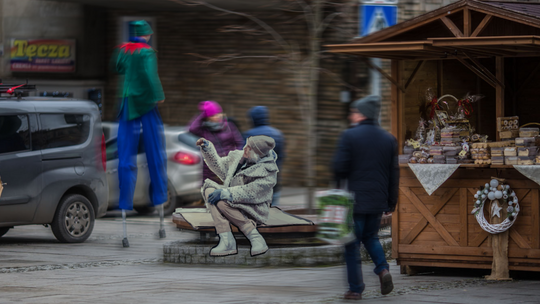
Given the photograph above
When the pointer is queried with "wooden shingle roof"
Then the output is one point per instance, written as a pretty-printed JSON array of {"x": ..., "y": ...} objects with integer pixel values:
[
  {"x": 467, "y": 28},
  {"x": 525, "y": 8}
]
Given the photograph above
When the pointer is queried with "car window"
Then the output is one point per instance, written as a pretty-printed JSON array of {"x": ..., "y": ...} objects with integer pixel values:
[
  {"x": 111, "y": 149},
  {"x": 14, "y": 133},
  {"x": 188, "y": 139},
  {"x": 107, "y": 133},
  {"x": 63, "y": 130}
]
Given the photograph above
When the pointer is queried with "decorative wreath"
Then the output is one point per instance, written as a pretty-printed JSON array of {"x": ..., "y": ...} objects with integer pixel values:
[{"x": 496, "y": 191}]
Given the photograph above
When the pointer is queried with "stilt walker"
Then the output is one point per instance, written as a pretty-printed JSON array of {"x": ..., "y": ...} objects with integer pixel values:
[
  {"x": 140, "y": 92},
  {"x": 162, "y": 234}
]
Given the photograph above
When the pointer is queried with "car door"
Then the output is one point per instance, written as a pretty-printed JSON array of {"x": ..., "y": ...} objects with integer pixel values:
[
  {"x": 142, "y": 188},
  {"x": 20, "y": 168},
  {"x": 143, "y": 179}
]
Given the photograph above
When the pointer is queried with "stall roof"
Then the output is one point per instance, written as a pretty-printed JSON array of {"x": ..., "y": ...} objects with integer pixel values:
[{"x": 467, "y": 28}]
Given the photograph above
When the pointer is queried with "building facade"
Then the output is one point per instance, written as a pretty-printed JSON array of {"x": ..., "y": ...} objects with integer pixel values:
[{"x": 184, "y": 37}]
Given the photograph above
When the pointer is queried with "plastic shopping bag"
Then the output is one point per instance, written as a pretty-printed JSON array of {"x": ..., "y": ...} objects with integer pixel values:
[{"x": 335, "y": 218}]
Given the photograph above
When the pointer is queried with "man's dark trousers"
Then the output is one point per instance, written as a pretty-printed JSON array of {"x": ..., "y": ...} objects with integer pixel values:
[{"x": 366, "y": 228}]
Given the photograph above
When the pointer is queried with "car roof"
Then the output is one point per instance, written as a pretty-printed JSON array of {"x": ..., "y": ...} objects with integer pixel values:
[{"x": 47, "y": 104}]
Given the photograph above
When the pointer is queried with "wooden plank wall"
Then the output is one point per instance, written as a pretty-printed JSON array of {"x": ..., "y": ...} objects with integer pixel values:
[
  {"x": 521, "y": 94},
  {"x": 438, "y": 230}
]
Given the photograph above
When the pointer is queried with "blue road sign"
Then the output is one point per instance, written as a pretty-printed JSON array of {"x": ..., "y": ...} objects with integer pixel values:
[{"x": 376, "y": 17}]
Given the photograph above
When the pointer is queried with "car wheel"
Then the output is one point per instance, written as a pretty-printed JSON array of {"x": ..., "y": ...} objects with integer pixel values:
[
  {"x": 74, "y": 219},
  {"x": 3, "y": 230},
  {"x": 170, "y": 205}
]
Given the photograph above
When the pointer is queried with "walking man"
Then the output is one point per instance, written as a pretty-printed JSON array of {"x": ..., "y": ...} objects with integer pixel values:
[
  {"x": 260, "y": 121},
  {"x": 248, "y": 177},
  {"x": 141, "y": 91},
  {"x": 367, "y": 159}
]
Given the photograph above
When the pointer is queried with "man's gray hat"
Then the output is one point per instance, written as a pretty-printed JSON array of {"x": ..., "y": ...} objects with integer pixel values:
[
  {"x": 261, "y": 144},
  {"x": 369, "y": 106}
]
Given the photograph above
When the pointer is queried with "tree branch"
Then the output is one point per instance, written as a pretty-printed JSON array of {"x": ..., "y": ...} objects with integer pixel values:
[
  {"x": 261, "y": 23},
  {"x": 290, "y": 11},
  {"x": 338, "y": 79},
  {"x": 327, "y": 21},
  {"x": 228, "y": 57},
  {"x": 241, "y": 29},
  {"x": 308, "y": 15}
]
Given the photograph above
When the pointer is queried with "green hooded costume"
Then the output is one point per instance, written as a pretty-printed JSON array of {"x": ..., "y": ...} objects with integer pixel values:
[{"x": 140, "y": 87}]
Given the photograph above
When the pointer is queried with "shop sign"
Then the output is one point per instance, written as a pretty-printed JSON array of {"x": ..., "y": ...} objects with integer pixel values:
[{"x": 43, "y": 55}]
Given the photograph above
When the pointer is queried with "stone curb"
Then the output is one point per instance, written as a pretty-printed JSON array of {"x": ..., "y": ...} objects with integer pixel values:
[{"x": 183, "y": 253}]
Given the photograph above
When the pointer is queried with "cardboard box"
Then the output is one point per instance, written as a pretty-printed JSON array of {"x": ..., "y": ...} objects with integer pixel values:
[
  {"x": 525, "y": 160},
  {"x": 525, "y": 141},
  {"x": 497, "y": 151},
  {"x": 507, "y": 123},
  {"x": 529, "y": 132},
  {"x": 509, "y": 134},
  {"x": 497, "y": 160},
  {"x": 510, "y": 151},
  {"x": 527, "y": 151},
  {"x": 511, "y": 160}
]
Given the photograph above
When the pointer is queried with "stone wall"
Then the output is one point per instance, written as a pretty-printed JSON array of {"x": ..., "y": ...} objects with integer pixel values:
[
  {"x": 242, "y": 83},
  {"x": 182, "y": 253}
]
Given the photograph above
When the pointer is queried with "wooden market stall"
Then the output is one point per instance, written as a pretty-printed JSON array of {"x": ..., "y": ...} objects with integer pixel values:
[{"x": 482, "y": 47}]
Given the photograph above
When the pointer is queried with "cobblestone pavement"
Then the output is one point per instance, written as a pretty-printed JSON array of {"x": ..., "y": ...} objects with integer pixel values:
[
  {"x": 169, "y": 283},
  {"x": 35, "y": 268}
]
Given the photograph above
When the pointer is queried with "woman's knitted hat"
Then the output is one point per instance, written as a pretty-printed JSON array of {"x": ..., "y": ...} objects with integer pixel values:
[
  {"x": 210, "y": 108},
  {"x": 261, "y": 144}
]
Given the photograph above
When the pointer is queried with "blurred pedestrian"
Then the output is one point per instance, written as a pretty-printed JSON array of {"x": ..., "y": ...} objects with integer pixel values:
[
  {"x": 367, "y": 159},
  {"x": 211, "y": 123},
  {"x": 141, "y": 92},
  {"x": 244, "y": 197},
  {"x": 234, "y": 121},
  {"x": 260, "y": 120}
]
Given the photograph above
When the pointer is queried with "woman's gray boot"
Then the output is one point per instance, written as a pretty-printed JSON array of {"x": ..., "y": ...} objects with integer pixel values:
[
  {"x": 226, "y": 246},
  {"x": 258, "y": 244}
]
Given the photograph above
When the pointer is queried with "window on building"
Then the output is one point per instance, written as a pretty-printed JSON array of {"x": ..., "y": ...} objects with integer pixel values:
[
  {"x": 63, "y": 130},
  {"x": 14, "y": 133}
]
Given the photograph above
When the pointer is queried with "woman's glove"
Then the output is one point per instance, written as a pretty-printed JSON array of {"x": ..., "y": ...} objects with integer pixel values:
[
  {"x": 215, "y": 197},
  {"x": 203, "y": 143}
]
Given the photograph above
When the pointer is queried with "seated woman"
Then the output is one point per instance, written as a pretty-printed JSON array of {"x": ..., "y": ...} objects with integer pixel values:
[{"x": 244, "y": 199}]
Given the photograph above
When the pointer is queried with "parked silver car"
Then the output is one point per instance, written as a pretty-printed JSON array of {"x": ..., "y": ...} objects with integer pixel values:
[
  {"x": 184, "y": 169},
  {"x": 52, "y": 165}
]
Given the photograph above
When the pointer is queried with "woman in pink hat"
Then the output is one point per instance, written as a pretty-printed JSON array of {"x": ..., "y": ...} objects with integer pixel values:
[{"x": 212, "y": 124}]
